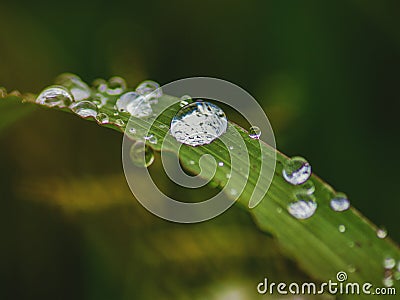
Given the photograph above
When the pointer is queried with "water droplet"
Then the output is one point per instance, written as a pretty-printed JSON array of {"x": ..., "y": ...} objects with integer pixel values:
[
  {"x": 381, "y": 233},
  {"x": 296, "y": 170},
  {"x": 119, "y": 123},
  {"x": 340, "y": 202},
  {"x": 115, "y": 113},
  {"x": 304, "y": 208},
  {"x": 228, "y": 175},
  {"x": 342, "y": 228},
  {"x": 198, "y": 123},
  {"x": 279, "y": 210},
  {"x": 389, "y": 263},
  {"x": 308, "y": 187},
  {"x": 150, "y": 89},
  {"x": 151, "y": 138},
  {"x": 351, "y": 244},
  {"x": 55, "y": 96},
  {"x": 3, "y": 92},
  {"x": 221, "y": 164},
  {"x": 116, "y": 86},
  {"x": 102, "y": 118},
  {"x": 352, "y": 268},
  {"x": 100, "y": 85},
  {"x": 233, "y": 192},
  {"x": 185, "y": 100},
  {"x": 79, "y": 89},
  {"x": 141, "y": 154},
  {"x": 135, "y": 104},
  {"x": 84, "y": 109},
  {"x": 132, "y": 130},
  {"x": 191, "y": 162},
  {"x": 254, "y": 132},
  {"x": 231, "y": 147},
  {"x": 388, "y": 281}
]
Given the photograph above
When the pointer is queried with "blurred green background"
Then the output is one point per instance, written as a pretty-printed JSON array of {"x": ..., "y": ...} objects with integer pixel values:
[{"x": 325, "y": 72}]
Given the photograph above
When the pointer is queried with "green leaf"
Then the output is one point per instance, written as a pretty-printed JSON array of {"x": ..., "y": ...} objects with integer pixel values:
[
  {"x": 11, "y": 110},
  {"x": 316, "y": 244}
]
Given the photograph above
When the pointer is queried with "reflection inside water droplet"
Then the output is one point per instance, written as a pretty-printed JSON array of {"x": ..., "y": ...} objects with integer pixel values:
[
  {"x": 134, "y": 104},
  {"x": 304, "y": 207},
  {"x": 102, "y": 118}
]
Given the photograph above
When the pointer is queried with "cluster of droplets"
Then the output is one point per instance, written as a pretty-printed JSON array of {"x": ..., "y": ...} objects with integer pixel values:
[
  {"x": 107, "y": 101},
  {"x": 391, "y": 271}
]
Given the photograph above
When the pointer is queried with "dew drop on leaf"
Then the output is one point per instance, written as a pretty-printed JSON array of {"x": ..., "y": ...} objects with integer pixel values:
[
  {"x": 304, "y": 207},
  {"x": 141, "y": 154},
  {"x": 55, "y": 96},
  {"x": 254, "y": 132},
  {"x": 79, "y": 89},
  {"x": 340, "y": 202},
  {"x": 84, "y": 109},
  {"x": 198, "y": 123},
  {"x": 102, "y": 118},
  {"x": 296, "y": 170},
  {"x": 150, "y": 89},
  {"x": 134, "y": 104}
]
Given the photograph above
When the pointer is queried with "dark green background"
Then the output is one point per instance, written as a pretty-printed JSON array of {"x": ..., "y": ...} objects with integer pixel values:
[{"x": 325, "y": 72}]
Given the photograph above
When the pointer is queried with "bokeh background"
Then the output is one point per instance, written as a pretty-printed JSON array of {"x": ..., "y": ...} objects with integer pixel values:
[{"x": 325, "y": 72}]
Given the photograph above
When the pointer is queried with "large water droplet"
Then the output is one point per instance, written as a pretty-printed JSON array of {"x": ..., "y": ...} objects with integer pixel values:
[
  {"x": 150, "y": 89},
  {"x": 304, "y": 208},
  {"x": 116, "y": 86},
  {"x": 141, "y": 154},
  {"x": 102, "y": 118},
  {"x": 79, "y": 89},
  {"x": 198, "y": 123},
  {"x": 296, "y": 170},
  {"x": 84, "y": 109},
  {"x": 135, "y": 104},
  {"x": 340, "y": 202},
  {"x": 254, "y": 132},
  {"x": 389, "y": 263},
  {"x": 55, "y": 96},
  {"x": 381, "y": 233}
]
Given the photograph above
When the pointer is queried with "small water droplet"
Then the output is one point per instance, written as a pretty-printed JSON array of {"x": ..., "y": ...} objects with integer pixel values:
[
  {"x": 254, "y": 132},
  {"x": 381, "y": 233},
  {"x": 198, "y": 123},
  {"x": 304, "y": 207},
  {"x": 150, "y": 89},
  {"x": 352, "y": 268},
  {"x": 389, "y": 263},
  {"x": 3, "y": 92},
  {"x": 102, "y": 118},
  {"x": 233, "y": 192},
  {"x": 308, "y": 187},
  {"x": 79, "y": 89},
  {"x": 84, "y": 109},
  {"x": 151, "y": 138},
  {"x": 115, "y": 113},
  {"x": 141, "y": 154},
  {"x": 221, "y": 164},
  {"x": 55, "y": 96},
  {"x": 100, "y": 85},
  {"x": 296, "y": 170},
  {"x": 388, "y": 281},
  {"x": 340, "y": 202},
  {"x": 279, "y": 210},
  {"x": 119, "y": 123},
  {"x": 351, "y": 244},
  {"x": 342, "y": 228},
  {"x": 191, "y": 162},
  {"x": 115, "y": 86},
  {"x": 231, "y": 147},
  {"x": 135, "y": 104},
  {"x": 132, "y": 130}
]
